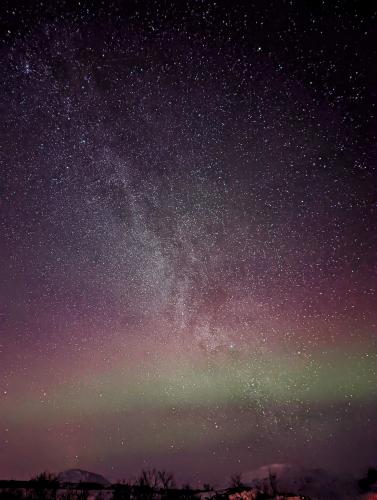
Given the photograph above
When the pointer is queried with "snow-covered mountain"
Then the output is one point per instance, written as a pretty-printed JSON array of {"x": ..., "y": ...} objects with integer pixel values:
[
  {"x": 81, "y": 476},
  {"x": 314, "y": 483}
]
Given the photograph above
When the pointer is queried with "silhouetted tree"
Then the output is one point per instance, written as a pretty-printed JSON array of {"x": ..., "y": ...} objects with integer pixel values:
[
  {"x": 273, "y": 482},
  {"x": 148, "y": 479},
  {"x": 208, "y": 487},
  {"x": 366, "y": 482},
  {"x": 44, "y": 486},
  {"x": 236, "y": 481},
  {"x": 155, "y": 480},
  {"x": 165, "y": 480}
]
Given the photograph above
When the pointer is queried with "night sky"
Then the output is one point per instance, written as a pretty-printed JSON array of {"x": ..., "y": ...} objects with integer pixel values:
[{"x": 188, "y": 236}]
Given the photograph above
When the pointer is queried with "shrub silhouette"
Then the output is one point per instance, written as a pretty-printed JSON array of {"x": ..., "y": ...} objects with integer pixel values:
[
  {"x": 44, "y": 486},
  {"x": 366, "y": 482},
  {"x": 152, "y": 482},
  {"x": 156, "y": 480},
  {"x": 236, "y": 481},
  {"x": 208, "y": 487}
]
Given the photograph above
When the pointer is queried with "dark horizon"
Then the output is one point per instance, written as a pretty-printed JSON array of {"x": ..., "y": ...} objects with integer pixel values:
[{"x": 188, "y": 221}]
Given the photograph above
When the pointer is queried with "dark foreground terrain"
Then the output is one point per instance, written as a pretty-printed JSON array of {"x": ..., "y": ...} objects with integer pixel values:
[{"x": 76, "y": 484}]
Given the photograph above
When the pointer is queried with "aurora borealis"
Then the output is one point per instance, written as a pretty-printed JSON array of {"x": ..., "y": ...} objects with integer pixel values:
[{"x": 188, "y": 237}]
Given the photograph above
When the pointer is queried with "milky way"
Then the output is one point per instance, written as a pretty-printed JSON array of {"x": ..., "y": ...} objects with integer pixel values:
[{"x": 188, "y": 237}]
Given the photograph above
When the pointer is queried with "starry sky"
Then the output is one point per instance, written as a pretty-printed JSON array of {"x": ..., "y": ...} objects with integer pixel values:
[{"x": 188, "y": 236}]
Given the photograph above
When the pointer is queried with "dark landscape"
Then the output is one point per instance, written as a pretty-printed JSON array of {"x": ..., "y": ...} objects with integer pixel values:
[{"x": 76, "y": 484}]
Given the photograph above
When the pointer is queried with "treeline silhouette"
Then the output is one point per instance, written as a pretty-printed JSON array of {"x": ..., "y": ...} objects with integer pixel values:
[{"x": 151, "y": 485}]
